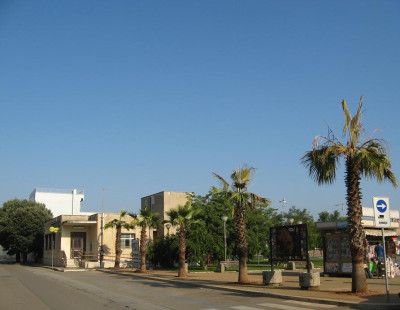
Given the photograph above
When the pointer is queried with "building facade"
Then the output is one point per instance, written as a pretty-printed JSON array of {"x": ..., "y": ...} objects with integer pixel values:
[
  {"x": 162, "y": 202},
  {"x": 80, "y": 236},
  {"x": 78, "y": 241}
]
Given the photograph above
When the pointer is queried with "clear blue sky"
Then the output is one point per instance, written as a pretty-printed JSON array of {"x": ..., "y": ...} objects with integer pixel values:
[{"x": 139, "y": 97}]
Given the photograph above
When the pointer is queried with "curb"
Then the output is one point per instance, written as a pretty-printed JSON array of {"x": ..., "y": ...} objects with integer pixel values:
[{"x": 266, "y": 294}]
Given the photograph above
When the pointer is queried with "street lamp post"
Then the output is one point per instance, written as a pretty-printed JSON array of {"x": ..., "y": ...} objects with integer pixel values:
[
  {"x": 283, "y": 205},
  {"x": 53, "y": 230},
  {"x": 224, "y": 218},
  {"x": 102, "y": 230},
  {"x": 168, "y": 227}
]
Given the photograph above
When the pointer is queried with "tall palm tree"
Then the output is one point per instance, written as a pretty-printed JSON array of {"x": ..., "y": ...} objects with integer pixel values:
[
  {"x": 182, "y": 216},
  {"x": 119, "y": 224},
  {"x": 241, "y": 199},
  {"x": 363, "y": 157},
  {"x": 146, "y": 219}
]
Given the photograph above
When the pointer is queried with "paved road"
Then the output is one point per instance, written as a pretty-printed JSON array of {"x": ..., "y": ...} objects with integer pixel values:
[{"x": 23, "y": 287}]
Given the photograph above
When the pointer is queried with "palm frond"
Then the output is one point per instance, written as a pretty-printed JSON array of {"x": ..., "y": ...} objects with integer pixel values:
[
  {"x": 122, "y": 214},
  {"x": 255, "y": 198},
  {"x": 321, "y": 141},
  {"x": 133, "y": 215},
  {"x": 321, "y": 163},
  {"x": 356, "y": 127},
  {"x": 216, "y": 190},
  {"x": 111, "y": 224},
  {"x": 373, "y": 162},
  {"x": 223, "y": 182},
  {"x": 347, "y": 116},
  {"x": 241, "y": 177}
]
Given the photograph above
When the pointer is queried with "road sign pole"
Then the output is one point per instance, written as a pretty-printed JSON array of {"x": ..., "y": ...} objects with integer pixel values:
[{"x": 385, "y": 264}]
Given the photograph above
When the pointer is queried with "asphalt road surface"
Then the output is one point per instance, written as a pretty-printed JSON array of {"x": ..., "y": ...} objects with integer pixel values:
[{"x": 36, "y": 288}]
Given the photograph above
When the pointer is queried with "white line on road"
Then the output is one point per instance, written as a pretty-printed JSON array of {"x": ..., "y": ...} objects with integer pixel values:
[
  {"x": 279, "y": 306},
  {"x": 245, "y": 308},
  {"x": 308, "y": 304}
]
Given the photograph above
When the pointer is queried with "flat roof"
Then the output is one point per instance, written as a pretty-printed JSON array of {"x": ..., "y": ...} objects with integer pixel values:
[
  {"x": 57, "y": 191},
  {"x": 78, "y": 222}
]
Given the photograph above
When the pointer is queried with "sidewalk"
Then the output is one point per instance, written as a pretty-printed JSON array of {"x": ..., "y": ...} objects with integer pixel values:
[{"x": 333, "y": 290}]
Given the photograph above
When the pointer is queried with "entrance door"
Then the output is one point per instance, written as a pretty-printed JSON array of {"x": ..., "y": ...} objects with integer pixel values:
[{"x": 78, "y": 240}]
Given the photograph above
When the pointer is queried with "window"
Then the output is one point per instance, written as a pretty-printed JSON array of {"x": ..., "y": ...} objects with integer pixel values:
[
  {"x": 126, "y": 240},
  {"x": 47, "y": 242},
  {"x": 50, "y": 240}
]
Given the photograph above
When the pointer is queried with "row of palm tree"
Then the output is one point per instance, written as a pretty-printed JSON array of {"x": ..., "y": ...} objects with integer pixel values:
[
  {"x": 184, "y": 216},
  {"x": 146, "y": 219},
  {"x": 363, "y": 157}
]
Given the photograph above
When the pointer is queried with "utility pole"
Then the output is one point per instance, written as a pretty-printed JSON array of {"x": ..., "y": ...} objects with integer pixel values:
[
  {"x": 341, "y": 204},
  {"x": 284, "y": 205},
  {"x": 102, "y": 228}
]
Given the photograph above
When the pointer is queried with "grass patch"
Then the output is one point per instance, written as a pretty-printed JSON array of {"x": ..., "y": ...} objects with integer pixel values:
[{"x": 318, "y": 262}]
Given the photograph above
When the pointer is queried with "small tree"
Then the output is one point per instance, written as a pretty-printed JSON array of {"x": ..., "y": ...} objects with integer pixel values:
[
  {"x": 119, "y": 224},
  {"x": 146, "y": 219},
  {"x": 22, "y": 227},
  {"x": 205, "y": 241},
  {"x": 258, "y": 223},
  {"x": 182, "y": 216},
  {"x": 325, "y": 216},
  {"x": 164, "y": 252}
]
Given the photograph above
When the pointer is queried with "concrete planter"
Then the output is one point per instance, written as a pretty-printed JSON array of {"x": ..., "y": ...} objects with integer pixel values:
[
  {"x": 309, "y": 280},
  {"x": 221, "y": 267},
  {"x": 272, "y": 278}
]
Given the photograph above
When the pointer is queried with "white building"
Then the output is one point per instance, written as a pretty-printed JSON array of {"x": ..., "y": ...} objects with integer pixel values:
[{"x": 60, "y": 201}]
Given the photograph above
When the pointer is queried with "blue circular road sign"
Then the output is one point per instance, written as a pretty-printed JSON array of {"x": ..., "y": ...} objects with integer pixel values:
[{"x": 381, "y": 206}]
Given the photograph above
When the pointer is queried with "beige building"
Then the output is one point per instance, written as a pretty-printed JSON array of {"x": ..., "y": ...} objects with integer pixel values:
[
  {"x": 79, "y": 238},
  {"x": 162, "y": 202},
  {"x": 78, "y": 241}
]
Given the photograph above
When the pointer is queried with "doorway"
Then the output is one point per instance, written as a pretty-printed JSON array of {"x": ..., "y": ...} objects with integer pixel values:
[{"x": 78, "y": 244}]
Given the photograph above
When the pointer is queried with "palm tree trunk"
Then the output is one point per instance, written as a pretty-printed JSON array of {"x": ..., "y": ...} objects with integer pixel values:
[
  {"x": 354, "y": 212},
  {"x": 241, "y": 243},
  {"x": 118, "y": 247},
  {"x": 143, "y": 243},
  {"x": 182, "y": 253}
]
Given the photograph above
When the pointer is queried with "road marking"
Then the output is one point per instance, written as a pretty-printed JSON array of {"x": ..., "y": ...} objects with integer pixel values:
[
  {"x": 308, "y": 304},
  {"x": 279, "y": 306},
  {"x": 245, "y": 308}
]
